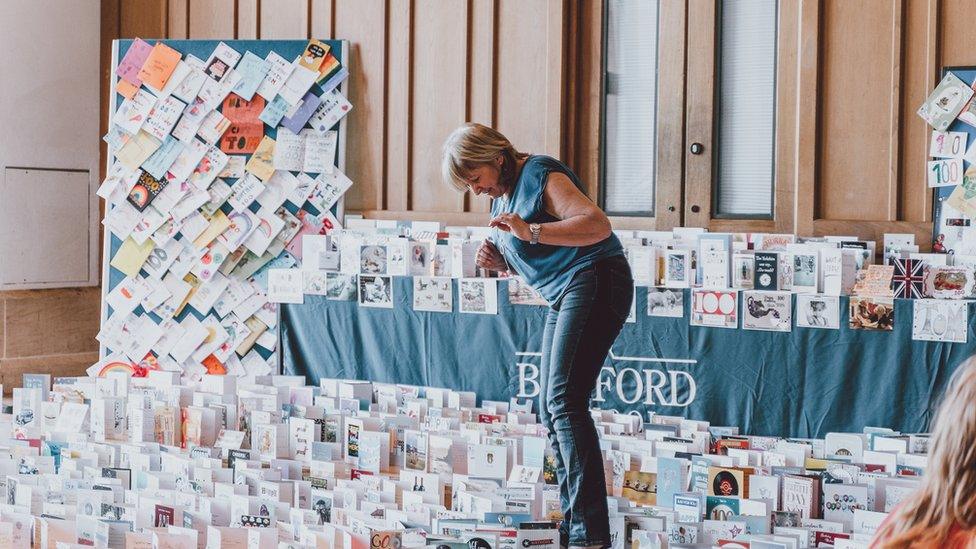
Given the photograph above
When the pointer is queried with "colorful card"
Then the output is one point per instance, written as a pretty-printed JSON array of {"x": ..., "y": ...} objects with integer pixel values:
[
  {"x": 261, "y": 163},
  {"x": 872, "y": 313},
  {"x": 145, "y": 190},
  {"x": 133, "y": 61},
  {"x": 716, "y": 308},
  {"x": 159, "y": 66}
]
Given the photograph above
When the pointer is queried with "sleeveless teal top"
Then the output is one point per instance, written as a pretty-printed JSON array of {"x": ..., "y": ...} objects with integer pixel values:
[{"x": 544, "y": 267}]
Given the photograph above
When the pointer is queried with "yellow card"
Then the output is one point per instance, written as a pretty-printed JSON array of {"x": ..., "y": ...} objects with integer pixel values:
[
  {"x": 159, "y": 66},
  {"x": 194, "y": 283},
  {"x": 261, "y": 163},
  {"x": 257, "y": 328},
  {"x": 131, "y": 256},
  {"x": 137, "y": 150},
  {"x": 218, "y": 224},
  {"x": 313, "y": 55},
  {"x": 126, "y": 89}
]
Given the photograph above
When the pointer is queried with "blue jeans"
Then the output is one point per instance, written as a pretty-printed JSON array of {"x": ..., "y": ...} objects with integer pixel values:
[{"x": 580, "y": 328}]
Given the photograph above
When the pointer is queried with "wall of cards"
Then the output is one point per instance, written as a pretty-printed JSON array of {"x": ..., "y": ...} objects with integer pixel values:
[{"x": 222, "y": 155}]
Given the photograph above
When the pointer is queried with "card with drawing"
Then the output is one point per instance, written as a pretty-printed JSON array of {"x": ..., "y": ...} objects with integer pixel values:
[
  {"x": 945, "y": 102},
  {"x": 940, "y": 320},
  {"x": 221, "y": 61},
  {"x": 763, "y": 310},
  {"x": 433, "y": 294},
  {"x": 818, "y": 311},
  {"x": 478, "y": 295},
  {"x": 333, "y": 108}
]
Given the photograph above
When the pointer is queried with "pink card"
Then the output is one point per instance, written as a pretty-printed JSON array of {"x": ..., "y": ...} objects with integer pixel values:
[{"x": 133, "y": 61}]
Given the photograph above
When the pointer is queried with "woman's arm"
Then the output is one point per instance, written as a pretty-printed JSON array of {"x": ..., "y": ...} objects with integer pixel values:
[{"x": 581, "y": 222}]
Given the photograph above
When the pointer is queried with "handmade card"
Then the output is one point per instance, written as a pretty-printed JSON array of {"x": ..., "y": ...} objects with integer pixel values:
[
  {"x": 434, "y": 294},
  {"x": 945, "y": 102},
  {"x": 716, "y": 308},
  {"x": 940, "y": 320},
  {"x": 478, "y": 295},
  {"x": 767, "y": 310}
]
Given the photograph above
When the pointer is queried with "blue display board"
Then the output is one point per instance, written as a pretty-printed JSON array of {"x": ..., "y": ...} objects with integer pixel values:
[
  {"x": 946, "y": 244},
  {"x": 289, "y": 49},
  {"x": 804, "y": 383}
]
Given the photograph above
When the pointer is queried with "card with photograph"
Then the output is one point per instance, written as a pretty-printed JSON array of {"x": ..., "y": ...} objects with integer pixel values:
[
  {"x": 715, "y": 308},
  {"x": 433, "y": 294},
  {"x": 677, "y": 268},
  {"x": 340, "y": 286},
  {"x": 743, "y": 271},
  {"x": 872, "y": 313},
  {"x": 772, "y": 311},
  {"x": 940, "y": 320},
  {"x": 478, "y": 295},
  {"x": 376, "y": 291},
  {"x": 665, "y": 302},
  {"x": 818, "y": 311},
  {"x": 373, "y": 259},
  {"x": 806, "y": 271}
]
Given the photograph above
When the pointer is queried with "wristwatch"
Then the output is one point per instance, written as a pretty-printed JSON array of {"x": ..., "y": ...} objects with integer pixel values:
[{"x": 536, "y": 230}]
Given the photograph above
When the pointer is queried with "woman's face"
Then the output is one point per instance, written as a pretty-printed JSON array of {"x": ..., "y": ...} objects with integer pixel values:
[{"x": 486, "y": 179}]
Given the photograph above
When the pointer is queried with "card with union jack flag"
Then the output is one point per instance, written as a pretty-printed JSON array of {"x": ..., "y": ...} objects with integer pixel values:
[{"x": 909, "y": 278}]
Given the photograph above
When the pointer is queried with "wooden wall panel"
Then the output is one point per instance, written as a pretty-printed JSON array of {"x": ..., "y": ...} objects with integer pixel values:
[
  {"x": 523, "y": 77},
  {"x": 285, "y": 19},
  {"x": 438, "y": 98},
  {"x": 359, "y": 22},
  {"x": 146, "y": 20},
  {"x": 178, "y": 17},
  {"x": 211, "y": 19},
  {"x": 398, "y": 102},
  {"x": 920, "y": 39},
  {"x": 481, "y": 76},
  {"x": 247, "y": 19},
  {"x": 856, "y": 100},
  {"x": 322, "y": 18}
]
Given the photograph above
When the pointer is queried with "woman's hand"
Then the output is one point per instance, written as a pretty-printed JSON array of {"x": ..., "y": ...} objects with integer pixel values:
[
  {"x": 490, "y": 258},
  {"x": 512, "y": 223}
]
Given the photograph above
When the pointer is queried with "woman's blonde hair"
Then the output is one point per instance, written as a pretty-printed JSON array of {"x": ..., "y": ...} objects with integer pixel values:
[
  {"x": 946, "y": 497},
  {"x": 472, "y": 145}
]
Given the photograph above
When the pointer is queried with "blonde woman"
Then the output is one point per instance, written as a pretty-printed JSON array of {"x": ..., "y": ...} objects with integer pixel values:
[
  {"x": 561, "y": 244},
  {"x": 942, "y": 512}
]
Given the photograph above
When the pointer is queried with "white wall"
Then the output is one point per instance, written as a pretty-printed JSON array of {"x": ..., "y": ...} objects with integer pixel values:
[{"x": 49, "y": 143}]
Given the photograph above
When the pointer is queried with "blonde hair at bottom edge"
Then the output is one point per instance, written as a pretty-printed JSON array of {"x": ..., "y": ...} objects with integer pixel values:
[{"x": 946, "y": 497}]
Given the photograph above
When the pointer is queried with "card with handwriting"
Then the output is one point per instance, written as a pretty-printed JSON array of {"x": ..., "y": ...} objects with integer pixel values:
[
  {"x": 132, "y": 62},
  {"x": 159, "y": 66}
]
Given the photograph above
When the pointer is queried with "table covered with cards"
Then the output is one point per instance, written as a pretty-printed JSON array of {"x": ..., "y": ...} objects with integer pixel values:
[
  {"x": 778, "y": 334},
  {"x": 268, "y": 462}
]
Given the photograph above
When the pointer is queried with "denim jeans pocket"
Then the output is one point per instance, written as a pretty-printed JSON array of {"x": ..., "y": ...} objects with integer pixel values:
[{"x": 621, "y": 295}]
